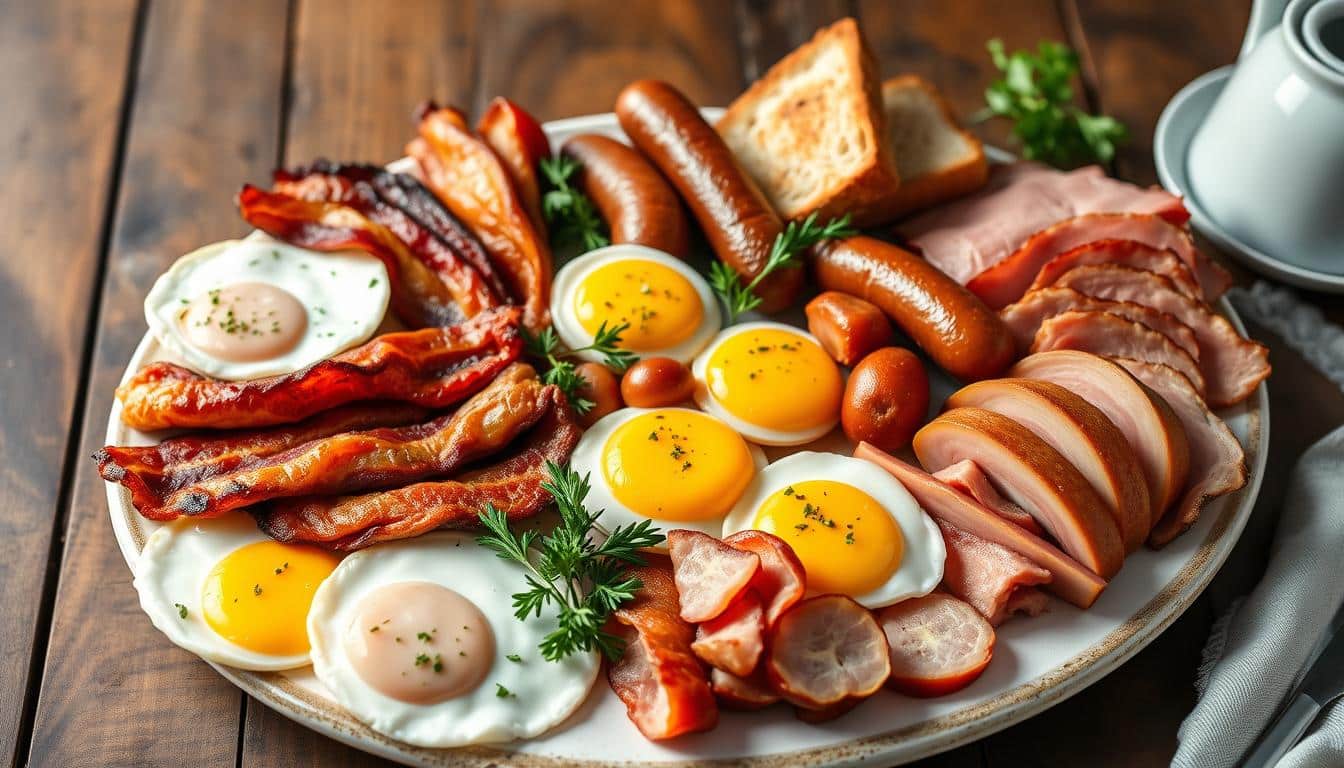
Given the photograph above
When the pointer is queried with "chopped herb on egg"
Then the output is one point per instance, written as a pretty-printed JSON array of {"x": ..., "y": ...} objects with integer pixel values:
[
  {"x": 421, "y": 659},
  {"x": 256, "y": 589},
  {"x": 373, "y": 281},
  {"x": 515, "y": 658},
  {"x": 788, "y": 491},
  {"x": 502, "y": 692},
  {"x": 424, "y": 637},
  {"x": 849, "y": 537},
  {"x": 438, "y": 664},
  {"x": 181, "y": 610}
]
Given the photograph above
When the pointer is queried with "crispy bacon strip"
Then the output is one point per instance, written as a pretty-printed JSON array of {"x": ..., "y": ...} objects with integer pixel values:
[
  {"x": 433, "y": 368},
  {"x": 513, "y": 486}
]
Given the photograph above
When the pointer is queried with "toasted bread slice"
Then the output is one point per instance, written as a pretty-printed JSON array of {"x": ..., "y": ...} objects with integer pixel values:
[{"x": 811, "y": 131}]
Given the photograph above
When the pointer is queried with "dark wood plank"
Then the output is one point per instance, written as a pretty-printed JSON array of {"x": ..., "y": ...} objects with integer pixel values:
[
  {"x": 206, "y": 118},
  {"x": 65, "y": 65},
  {"x": 768, "y": 29}
]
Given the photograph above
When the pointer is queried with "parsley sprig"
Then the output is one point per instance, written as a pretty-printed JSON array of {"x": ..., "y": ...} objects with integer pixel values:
[
  {"x": 796, "y": 238},
  {"x": 571, "y": 215},
  {"x": 546, "y": 348},
  {"x": 1036, "y": 93},
  {"x": 585, "y": 580}
]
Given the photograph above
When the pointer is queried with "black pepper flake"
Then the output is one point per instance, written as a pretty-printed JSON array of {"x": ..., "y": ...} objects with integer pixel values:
[{"x": 256, "y": 589}]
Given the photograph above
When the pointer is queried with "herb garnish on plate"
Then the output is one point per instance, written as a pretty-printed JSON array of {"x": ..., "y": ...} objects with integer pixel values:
[{"x": 789, "y": 245}]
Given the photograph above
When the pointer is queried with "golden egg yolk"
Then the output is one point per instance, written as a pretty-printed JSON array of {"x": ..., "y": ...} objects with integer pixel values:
[
  {"x": 775, "y": 379},
  {"x": 845, "y": 540},
  {"x": 258, "y": 596},
  {"x": 676, "y": 465},
  {"x": 660, "y": 305}
]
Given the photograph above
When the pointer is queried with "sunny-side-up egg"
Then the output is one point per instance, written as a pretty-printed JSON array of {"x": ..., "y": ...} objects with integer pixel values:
[
  {"x": 679, "y": 467},
  {"x": 224, "y": 591},
  {"x": 855, "y": 528},
  {"x": 670, "y": 309},
  {"x": 418, "y": 640},
  {"x": 242, "y": 309},
  {"x": 771, "y": 382}
]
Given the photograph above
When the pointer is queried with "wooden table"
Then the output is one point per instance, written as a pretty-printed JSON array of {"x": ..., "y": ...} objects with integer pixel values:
[{"x": 128, "y": 126}]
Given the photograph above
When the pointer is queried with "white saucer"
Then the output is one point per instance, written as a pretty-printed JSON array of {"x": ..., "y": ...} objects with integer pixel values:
[{"x": 1175, "y": 128}]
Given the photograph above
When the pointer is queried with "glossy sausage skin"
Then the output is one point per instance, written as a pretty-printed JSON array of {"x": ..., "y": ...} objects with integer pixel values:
[
  {"x": 733, "y": 212},
  {"x": 847, "y": 327},
  {"x": 947, "y": 321},
  {"x": 633, "y": 198}
]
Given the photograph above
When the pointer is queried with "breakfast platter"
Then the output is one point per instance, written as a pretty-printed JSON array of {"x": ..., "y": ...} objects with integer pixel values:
[{"x": 344, "y": 525}]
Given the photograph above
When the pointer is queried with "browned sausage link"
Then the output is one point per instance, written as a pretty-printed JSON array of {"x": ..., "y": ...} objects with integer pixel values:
[
  {"x": 962, "y": 335},
  {"x": 731, "y": 209},
  {"x": 633, "y": 198}
]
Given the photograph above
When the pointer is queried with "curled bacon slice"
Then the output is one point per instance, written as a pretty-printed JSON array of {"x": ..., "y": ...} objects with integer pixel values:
[
  {"x": 938, "y": 644},
  {"x": 826, "y": 650},
  {"x": 432, "y": 367},
  {"x": 736, "y": 692},
  {"x": 781, "y": 581},
  {"x": 709, "y": 573},
  {"x": 733, "y": 640},
  {"x": 658, "y": 678}
]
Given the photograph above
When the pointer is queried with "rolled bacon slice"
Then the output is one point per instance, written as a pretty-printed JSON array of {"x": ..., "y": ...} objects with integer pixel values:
[
  {"x": 1102, "y": 333},
  {"x": 431, "y": 368},
  {"x": 988, "y": 576},
  {"x": 734, "y": 640},
  {"x": 825, "y": 651},
  {"x": 1129, "y": 253},
  {"x": 781, "y": 580},
  {"x": 710, "y": 574},
  {"x": 1217, "y": 461},
  {"x": 1025, "y": 316},
  {"x": 938, "y": 644},
  {"x": 967, "y": 478}
]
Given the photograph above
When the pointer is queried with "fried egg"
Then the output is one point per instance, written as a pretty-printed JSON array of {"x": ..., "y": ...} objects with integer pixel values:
[
  {"x": 670, "y": 309},
  {"x": 771, "y": 382},
  {"x": 242, "y": 309},
  {"x": 223, "y": 590},
  {"x": 855, "y": 528},
  {"x": 417, "y": 639}
]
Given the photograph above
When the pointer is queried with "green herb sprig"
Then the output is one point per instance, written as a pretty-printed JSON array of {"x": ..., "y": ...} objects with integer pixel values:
[
  {"x": 796, "y": 238},
  {"x": 1035, "y": 92},
  {"x": 547, "y": 349},
  {"x": 584, "y": 580},
  {"x": 571, "y": 215}
]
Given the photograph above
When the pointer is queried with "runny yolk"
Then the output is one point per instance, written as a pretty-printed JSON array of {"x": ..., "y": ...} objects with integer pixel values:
[
  {"x": 660, "y": 305},
  {"x": 676, "y": 465},
  {"x": 775, "y": 379},
  {"x": 244, "y": 322},
  {"x": 845, "y": 540},
  {"x": 258, "y": 596}
]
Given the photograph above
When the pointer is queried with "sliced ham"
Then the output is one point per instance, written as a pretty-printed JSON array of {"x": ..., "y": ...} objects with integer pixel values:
[
  {"x": 974, "y": 233},
  {"x": 1232, "y": 366},
  {"x": 826, "y": 651},
  {"x": 781, "y": 580},
  {"x": 1217, "y": 462},
  {"x": 985, "y": 574},
  {"x": 938, "y": 644},
  {"x": 1129, "y": 253},
  {"x": 966, "y": 477},
  {"x": 733, "y": 640},
  {"x": 709, "y": 573},
  {"x": 1068, "y": 579},
  {"x": 1030, "y": 601},
  {"x": 1105, "y": 334},
  {"x": 1081, "y": 433},
  {"x": 1006, "y": 281},
  {"x": 1024, "y": 317},
  {"x": 742, "y": 692}
]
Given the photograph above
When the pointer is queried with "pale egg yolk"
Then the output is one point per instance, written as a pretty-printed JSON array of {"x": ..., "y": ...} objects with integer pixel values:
[
  {"x": 846, "y": 541},
  {"x": 244, "y": 322},
  {"x": 660, "y": 305},
  {"x": 258, "y": 596},
  {"x": 676, "y": 465},
  {"x": 775, "y": 379}
]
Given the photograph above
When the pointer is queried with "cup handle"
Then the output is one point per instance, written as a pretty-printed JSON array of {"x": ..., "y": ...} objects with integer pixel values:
[{"x": 1265, "y": 15}]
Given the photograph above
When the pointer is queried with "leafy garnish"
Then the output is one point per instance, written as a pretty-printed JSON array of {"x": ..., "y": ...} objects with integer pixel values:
[
  {"x": 563, "y": 373},
  {"x": 572, "y": 217},
  {"x": 796, "y": 238},
  {"x": 1035, "y": 92},
  {"x": 584, "y": 580}
]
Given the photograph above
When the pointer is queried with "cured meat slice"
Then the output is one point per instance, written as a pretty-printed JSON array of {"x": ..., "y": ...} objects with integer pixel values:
[
  {"x": 733, "y": 640},
  {"x": 966, "y": 477},
  {"x": 1082, "y": 434},
  {"x": 986, "y": 575},
  {"x": 710, "y": 574},
  {"x": 826, "y": 650},
  {"x": 742, "y": 692},
  {"x": 1024, "y": 317},
  {"x": 938, "y": 644},
  {"x": 1217, "y": 461},
  {"x": 1113, "y": 336},
  {"x": 1148, "y": 423},
  {"x": 1070, "y": 580},
  {"x": 1232, "y": 366},
  {"x": 1128, "y": 253},
  {"x": 781, "y": 581},
  {"x": 1032, "y": 474},
  {"x": 432, "y": 367}
]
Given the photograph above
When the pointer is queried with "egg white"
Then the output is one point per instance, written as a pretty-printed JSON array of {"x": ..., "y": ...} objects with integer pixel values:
[
  {"x": 572, "y": 274},
  {"x": 921, "y": 568},
  {"x": 345, "y": 294},
  {"x": 753, "y": 432},
  {"x": 172, "y": 570},
  {"x": 544, "y": 692}
]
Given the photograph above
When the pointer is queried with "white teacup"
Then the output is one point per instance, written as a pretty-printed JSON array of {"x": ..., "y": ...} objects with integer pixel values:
[{"x": 1268, "y": 162}]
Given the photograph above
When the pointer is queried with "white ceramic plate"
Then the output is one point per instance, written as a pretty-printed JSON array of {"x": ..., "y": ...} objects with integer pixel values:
[{"x": 1038, "y": 662}]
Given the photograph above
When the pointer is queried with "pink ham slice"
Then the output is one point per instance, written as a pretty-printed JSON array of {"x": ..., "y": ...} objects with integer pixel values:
[
  {"x": 1068, "y": 579},
  {"x": 1217, "y": 462},
  {"x": 1232, "y": 366},
  {"x": 1006, "y": 281},
  {"x": 987, "y": 575},
  {"x": 1128, "y": 253},
  {"x": 966, "y": 477},
  {"x": 1025, "y": 316},
  {"x": 1082, "y": 434},
  {"x": 974, "y": 233},
  {"x": 1105, "y": 334}
]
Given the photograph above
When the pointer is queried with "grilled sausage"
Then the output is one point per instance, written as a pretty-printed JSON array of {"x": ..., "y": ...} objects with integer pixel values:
[{"x": 633, "y": 198}]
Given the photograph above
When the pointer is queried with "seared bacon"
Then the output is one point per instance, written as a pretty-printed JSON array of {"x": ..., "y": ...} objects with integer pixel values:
[
  {"x": 1102, "y": 333},
  {"x": 733, "y": 640},
  {"x": 1025, "y": 316},
  {"x": 967, "y": 478},
  {"x": 736, "y": 692},
  {"x": 513, "y": 485},
  {"x": 987, "y": 575},
  {"x": 781, "y": 580},
  {"x": 432, "y": 367},
  {"x": 1128, "y": 253},
  {"x": 709, "y": 573}
]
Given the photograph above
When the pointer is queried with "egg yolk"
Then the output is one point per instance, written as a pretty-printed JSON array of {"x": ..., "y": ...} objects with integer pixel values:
[
  {"x": 661, "y": 306},
  {"x": 244, "y": 322},
  {"x": 775, "y": 379},
  {"x": 676, "y": 465},
  {"x": 258, "y": 595},
  {"x": 845, "y": 540}
]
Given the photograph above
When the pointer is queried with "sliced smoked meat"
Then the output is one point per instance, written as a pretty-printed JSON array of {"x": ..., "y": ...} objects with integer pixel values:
[
  {"x": 1129, "y": 253},
  {"x": 985, "y": 574},
  {"x": 1024, "y": 317},
  {"x": 967, "y": 478},
  {"x": 1105, "y": 334}
]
